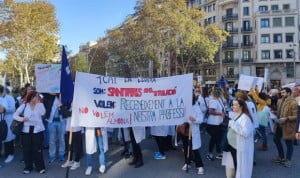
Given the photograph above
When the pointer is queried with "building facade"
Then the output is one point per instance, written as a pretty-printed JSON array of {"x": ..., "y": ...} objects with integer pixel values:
[{"x": 263, "y": 41}]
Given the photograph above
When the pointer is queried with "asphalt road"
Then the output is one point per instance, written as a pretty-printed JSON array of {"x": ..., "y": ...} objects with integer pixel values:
[{"x": 117, "y": 166}]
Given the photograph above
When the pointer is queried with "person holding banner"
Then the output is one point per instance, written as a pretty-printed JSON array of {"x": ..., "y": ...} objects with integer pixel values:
[
  {"x": 33, "y": 132},
  {"x": 192, "y": 145},
  {"x": 137, "y": 134},
  {"x": 95, "y": 138},
  {"x": 75, "y": 148},
  {"x": 160, "y": 134}
]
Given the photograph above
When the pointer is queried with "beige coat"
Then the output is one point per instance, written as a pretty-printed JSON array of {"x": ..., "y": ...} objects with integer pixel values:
[{"x": 290, "y": 111}]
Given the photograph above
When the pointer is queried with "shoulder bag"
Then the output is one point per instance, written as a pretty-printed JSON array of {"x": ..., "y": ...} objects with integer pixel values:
[{"x": 17, "y": 126}]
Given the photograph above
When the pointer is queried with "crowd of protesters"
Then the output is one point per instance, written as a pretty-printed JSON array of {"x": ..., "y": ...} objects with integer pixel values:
[{"x": 233, "y": 119}]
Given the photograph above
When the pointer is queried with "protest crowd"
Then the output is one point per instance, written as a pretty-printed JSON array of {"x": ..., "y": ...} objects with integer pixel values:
[{"x": 233, "y": 120}]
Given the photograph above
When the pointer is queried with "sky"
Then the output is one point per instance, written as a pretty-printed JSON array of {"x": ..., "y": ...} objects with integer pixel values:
[{"x": 82, "y": 21}]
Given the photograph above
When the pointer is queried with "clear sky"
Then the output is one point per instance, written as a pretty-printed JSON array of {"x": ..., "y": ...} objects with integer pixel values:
[{"x": 87, "y": 20}]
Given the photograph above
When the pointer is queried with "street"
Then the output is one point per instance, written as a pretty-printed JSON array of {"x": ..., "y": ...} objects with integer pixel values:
[{"x": 117, "y": 166}]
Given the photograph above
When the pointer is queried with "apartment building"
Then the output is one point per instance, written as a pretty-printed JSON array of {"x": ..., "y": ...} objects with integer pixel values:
[{"x": 263, "y": 41}]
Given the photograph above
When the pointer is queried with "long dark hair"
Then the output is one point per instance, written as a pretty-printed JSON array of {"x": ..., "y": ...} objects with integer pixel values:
[{"x": 245, "y": 110}]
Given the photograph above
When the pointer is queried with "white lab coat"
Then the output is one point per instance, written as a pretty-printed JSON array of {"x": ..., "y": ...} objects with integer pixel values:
[
  {"x": 91, "y": 142},
  {"x": 9, "y": 116},
  {"x": 196, "y": 136},
  {"x": 245, "y": 145}
]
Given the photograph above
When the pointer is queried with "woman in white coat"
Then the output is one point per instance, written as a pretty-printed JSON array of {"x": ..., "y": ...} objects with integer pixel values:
[
  {"x": 95, "y": 138},
  {"x": 195, "y": 119},
  {"x": 240, "y": 142},
  {"x": 137, "y": 134}
]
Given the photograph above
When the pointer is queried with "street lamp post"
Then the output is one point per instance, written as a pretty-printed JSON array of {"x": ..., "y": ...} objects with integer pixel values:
[{"x": 294, "y": 60}]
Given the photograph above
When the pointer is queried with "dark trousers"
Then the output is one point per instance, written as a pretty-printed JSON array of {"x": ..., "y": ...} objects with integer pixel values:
[
  {"x": 9, "y": 148},
  {"x": 33, "y": 150},
  {"x": 196, "y": 155},
  {"x": 161, "y": 142},
  {"x": 215, "y": 132},
  {"x": 289, "y": 145},
  {"x": 137, "y": 152},
  {"x": 233, "y": 154},
  {"x": 76, "y": 147}
]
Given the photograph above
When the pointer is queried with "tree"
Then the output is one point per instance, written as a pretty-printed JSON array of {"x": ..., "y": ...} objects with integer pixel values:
[
  {"x": 29, "y": 37},
  {"x": 162, "y": 27}
]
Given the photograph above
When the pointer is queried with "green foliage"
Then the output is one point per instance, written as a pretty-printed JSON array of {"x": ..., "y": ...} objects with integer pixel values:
[{"x": 29, "y": 37}]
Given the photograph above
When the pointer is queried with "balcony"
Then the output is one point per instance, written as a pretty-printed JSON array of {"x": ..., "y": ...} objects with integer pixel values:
[
  {"x": 230, "y": 45},
  {"x": 247, "y": 60},
  {"x": 233, "y": 30},
  {"x": 230, "y": 17},
  {"x": 247, "y": 30},
  {"x": 230, "y": 61},
  {"x": 232, "y": 76},
  {"x": 225, "y": 2},
  {"x": 247, "y": 45}
]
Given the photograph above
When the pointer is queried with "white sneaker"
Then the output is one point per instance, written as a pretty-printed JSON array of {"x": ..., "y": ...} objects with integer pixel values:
[
  {"x": 88, "y": 171},
  {"x": 200, "y": 170},
  {"x": 185, "y": 166},
  {"x": 75, "y": 165},
  {"x": 9, "y": 158},
  {"x": 102, "y": 169},
  {"x": 67, "y": 164}
]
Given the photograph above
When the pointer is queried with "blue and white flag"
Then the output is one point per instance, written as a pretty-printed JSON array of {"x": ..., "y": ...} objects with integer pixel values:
[{"x": 66, "y": 82}]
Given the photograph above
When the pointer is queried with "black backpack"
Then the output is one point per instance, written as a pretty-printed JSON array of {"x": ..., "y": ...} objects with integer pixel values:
[{"x": 3, "y": 127}]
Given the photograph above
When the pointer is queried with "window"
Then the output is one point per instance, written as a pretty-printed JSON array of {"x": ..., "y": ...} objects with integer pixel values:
[
  {"x": 246, "y": 11},
  {"x": 264, "y": 23},
  {"x": 263, "y": 8},
  {"x": 289, "y": 53},
  {"x": 246, "y": 54},
  {"x": 289, "y": 21},
  {"x": 277, "y": 22},
  {"x": 246, "y": 39},
  {"x": 265, "y": 54},
  {"x": 277, "y": 38},
  {"x": 246, "y": 25},
  {"x": 229, "y": 55},
  {"x": 274, "y": 7},
  {"x": 230, "y": 71},
  {"x": 229, "y": 11},
  {"x": 265, "y": 38},
  {"x": 289, "y": 37},
  {"x": 260, "y": 71},
  {"x": 278, "y": 54},
  {"x": 290, "y": 70},
  {"x": 285, "y": 6},
  {"x": 229, "y": 26}
]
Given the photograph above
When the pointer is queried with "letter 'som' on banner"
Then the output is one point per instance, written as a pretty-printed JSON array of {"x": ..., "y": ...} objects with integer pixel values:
[{"x": 106, "y": 101}]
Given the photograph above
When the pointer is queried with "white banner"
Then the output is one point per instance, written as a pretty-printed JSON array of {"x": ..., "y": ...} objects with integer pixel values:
[
  {"x": 47, "y": 78},
  {"x": 105, "y": 101}
]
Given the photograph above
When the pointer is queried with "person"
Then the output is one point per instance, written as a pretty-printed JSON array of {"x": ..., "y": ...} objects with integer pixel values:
[
  {"x": 239, "y": 163},
  {"x": 285, "y": 126},
  {"x": 74, "y": 149},
  {"x": 32, "y": 137},
  {"x": 137, "y": 134},
  {"x": 193, "y": 145},
  {"x": 95, "y": 137},
  {"x": 297, "y": 98},
  {"x": 262, "y": 106},
  {"x": 214, "y": 128},
  {"x": 3, "y": 107},
  {"x": 56, "y": 129},
  {"x": 160, "y": 134},
  {"x": 9, "y": 141}
]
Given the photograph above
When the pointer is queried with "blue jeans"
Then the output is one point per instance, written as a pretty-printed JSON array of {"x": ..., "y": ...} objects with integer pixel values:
[
  {"x": 89, "y": 157},
  {"x": 262, "y": 130},
  {"x": 56, "y": 132}
]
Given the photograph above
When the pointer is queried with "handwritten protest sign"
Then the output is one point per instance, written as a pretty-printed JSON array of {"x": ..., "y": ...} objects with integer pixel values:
[
  {"x": 48, "y": 78},
  {"x": 105, "y": 101},
  {"x": 247, "y": 82}
]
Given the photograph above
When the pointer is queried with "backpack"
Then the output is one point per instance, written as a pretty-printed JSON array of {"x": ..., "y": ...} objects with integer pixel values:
[{"x": 3, "y": 128}]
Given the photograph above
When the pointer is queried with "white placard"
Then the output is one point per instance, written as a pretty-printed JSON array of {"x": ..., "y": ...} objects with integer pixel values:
[
  {"x": 247, "y": 82},
  {"x": 48, "y": 78}
]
